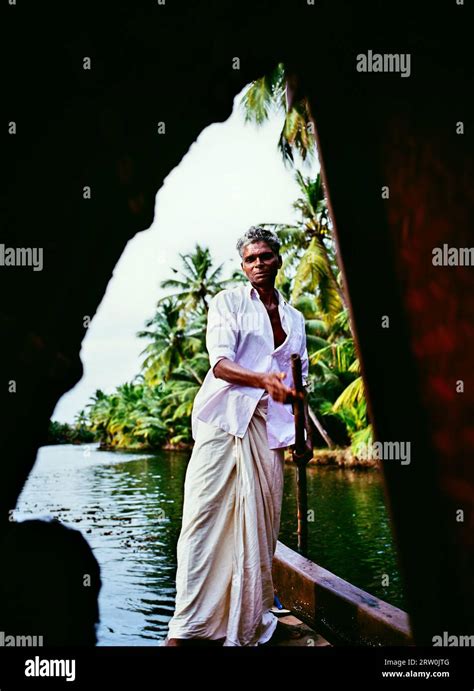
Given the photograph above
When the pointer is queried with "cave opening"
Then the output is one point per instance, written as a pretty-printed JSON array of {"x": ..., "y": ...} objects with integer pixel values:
[{"x": 118, "y": 442}]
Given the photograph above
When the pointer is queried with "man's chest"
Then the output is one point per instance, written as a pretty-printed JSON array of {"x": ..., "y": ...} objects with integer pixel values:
[
  {"x": 279, "y": 334},
  {"x": 261, "y": 330}
]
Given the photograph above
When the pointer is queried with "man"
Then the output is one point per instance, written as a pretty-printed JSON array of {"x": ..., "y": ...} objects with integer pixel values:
[{"x": 242, "y": 420}]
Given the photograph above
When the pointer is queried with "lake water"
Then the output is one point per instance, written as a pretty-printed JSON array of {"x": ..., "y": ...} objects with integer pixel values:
[{"x": 128, "y": 507}]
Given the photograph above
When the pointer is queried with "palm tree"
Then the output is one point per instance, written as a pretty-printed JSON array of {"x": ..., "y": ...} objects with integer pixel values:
[
  {"x": 149, "y": 427},
  {"x": 129, "y": 417},
  {"x": 101, "y": 410},
  {"x": 309, "y": 258},
  {"x": 198, "y": 280},
  {"x": 268, "y": 95},
  {"x": 80, "y": 419},
  {"x": 171, "y": 340},
  {"x": 337, "y": 385},
  {"x": 316, "y": 268},
  {"x": 179, "y": 394}
]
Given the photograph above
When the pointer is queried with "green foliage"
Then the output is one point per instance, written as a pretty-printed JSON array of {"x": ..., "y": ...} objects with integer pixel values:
[
  {"x": 172, "y": 338},
  {"x": 128, "y": 418},
  {"x": 197, "y": 281},
  {"x": 363, "y": 437},
  {"x": 63, "y": 433},
  {"x": 266, "y": 96}
]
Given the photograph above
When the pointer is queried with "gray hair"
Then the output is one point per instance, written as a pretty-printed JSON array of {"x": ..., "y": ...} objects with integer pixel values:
[{"x": 259, "y": 234}]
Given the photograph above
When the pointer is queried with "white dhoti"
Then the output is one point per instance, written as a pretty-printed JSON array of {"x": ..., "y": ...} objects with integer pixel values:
[{"x": 231, "y": 520}]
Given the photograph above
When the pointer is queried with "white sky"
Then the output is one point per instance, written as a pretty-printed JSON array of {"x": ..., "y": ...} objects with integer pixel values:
[{"x": 231, "y": 178}]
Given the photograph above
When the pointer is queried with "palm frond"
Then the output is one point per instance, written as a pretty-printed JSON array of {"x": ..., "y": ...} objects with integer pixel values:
[
  {"x": 351, "y": 396},
  {"x": 264, "y": 96}
]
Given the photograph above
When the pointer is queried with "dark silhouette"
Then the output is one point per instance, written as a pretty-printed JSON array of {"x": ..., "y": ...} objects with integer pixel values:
[{"x": 44, "y": 591}]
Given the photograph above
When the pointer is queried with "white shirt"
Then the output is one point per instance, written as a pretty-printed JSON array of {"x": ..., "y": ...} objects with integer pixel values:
[{"x": 239, "y": 328}]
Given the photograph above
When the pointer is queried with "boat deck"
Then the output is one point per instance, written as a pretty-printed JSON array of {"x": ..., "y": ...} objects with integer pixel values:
[{"x": 291, "y": 631}]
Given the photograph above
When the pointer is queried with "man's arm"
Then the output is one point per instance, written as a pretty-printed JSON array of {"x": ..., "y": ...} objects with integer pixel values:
[
  {"x": 222, "y": 337},
  {"x": 270, "y": 381}
]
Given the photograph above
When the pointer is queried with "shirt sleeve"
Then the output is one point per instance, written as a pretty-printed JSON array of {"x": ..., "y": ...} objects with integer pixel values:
[
  {"x": 222, "y": 331},
  {"x": 304, "y": 354}
]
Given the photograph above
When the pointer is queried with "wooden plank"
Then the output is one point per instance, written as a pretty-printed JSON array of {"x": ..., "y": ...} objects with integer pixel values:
[{"x": 344, "y": 613}]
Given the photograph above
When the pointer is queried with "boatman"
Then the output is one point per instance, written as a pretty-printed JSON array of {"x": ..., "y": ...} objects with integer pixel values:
[{"x": 242, "y": 420}]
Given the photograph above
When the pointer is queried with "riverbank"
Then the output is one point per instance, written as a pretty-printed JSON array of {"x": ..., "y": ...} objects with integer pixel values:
[{"x": 337, "y": 457}]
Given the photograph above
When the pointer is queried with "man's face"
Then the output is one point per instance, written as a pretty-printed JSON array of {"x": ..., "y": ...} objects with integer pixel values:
[{"x": 260, "y": 264}]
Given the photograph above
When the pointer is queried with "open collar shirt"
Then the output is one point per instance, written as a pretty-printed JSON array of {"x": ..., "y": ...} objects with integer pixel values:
[{"x": 239, "y": 328}]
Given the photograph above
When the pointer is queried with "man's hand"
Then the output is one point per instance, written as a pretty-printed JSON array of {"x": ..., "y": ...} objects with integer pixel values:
[
  {"x": 272, "y": 382},
  {"x": 305, "y": 457}
]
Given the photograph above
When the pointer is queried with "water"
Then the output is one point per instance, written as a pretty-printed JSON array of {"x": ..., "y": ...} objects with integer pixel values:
[
  {"x": 349, "y": 530},
  {"x": 128, "y": 507}
]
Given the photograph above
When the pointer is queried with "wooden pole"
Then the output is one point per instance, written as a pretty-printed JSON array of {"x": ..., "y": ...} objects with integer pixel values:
[
  {"x": 300, "y": 455},
  {"x": 302, "y": 499}
]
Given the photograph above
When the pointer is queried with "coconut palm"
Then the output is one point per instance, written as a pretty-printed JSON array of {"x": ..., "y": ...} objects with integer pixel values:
[
  {"x": 266, "y": 96},
  {"x": 149, "y": 427},
  {"x": 198, "y": 281},
  {"x": 101, "y": 411},
  {"x": 178, "y": 397},
  {"x": 316, "y": 266},
  {"x": 337, "y": 385},
  {"x": 171, "y": 340},
  {"x": 129, "y": 417},
  {"x": 309, "y": 252}
]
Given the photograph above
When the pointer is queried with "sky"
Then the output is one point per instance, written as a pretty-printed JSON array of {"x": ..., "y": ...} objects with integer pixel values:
[{"x": 232, "y": 177}]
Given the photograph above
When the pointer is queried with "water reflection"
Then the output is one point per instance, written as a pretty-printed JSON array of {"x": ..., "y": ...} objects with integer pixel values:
[{"x": 350, "y": 534}]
